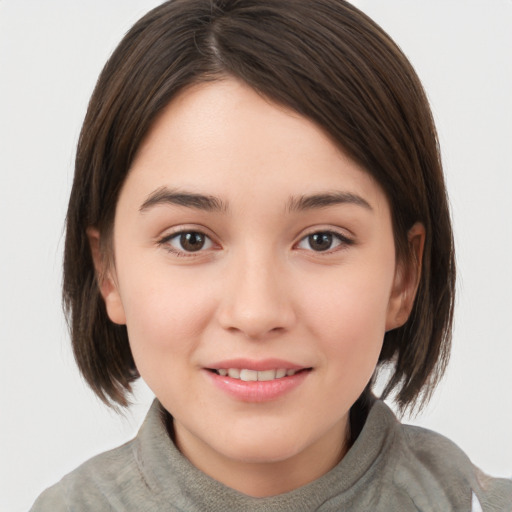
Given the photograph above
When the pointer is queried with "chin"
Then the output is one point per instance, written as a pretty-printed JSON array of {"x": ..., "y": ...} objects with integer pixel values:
[{"x": 264, "y": 449}]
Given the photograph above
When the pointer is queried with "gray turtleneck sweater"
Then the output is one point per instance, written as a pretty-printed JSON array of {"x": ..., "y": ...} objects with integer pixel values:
[{"x": 390, "y": 468}]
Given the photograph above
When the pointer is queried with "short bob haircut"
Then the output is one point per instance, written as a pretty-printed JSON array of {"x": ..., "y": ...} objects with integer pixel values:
[{"x": 327, "y": 61}]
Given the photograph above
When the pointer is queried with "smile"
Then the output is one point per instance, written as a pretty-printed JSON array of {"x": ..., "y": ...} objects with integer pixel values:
[
  {"x": 250, "y": 385},
  {"x": 254, "y": 375}
]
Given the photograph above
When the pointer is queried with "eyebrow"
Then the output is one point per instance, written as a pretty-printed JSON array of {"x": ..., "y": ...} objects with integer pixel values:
[
  {"x": 326, "y": 199},
  {"x": 164, "y": 195}
]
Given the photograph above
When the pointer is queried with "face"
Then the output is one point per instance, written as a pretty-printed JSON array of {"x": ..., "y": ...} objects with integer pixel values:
[{"x": 255, "y": 271}]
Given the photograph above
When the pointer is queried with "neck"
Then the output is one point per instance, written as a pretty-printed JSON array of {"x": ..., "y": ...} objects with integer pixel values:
[{"x": 268, "y": 478}]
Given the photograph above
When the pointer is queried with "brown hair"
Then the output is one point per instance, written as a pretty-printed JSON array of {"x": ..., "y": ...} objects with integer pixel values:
[{"x": 322, "y": 58}]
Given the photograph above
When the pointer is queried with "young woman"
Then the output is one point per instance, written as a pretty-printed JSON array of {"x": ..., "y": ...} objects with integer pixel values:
[{"x": 258, "y": 224}]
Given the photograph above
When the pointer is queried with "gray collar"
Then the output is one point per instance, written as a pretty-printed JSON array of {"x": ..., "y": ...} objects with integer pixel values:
[{"x": 191, "y": 490}]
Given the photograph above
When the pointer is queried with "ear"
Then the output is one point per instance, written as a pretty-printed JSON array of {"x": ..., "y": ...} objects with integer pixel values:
[
  {"x": 406, "y": 280},
  {"x": 106, "y": 278}
]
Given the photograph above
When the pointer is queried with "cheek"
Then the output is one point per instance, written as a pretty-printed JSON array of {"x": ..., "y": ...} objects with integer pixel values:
[
  {"x": 352, "y": 302},
  {"x": 165, "y": 315},
  {"x": 348, "y": 317}
]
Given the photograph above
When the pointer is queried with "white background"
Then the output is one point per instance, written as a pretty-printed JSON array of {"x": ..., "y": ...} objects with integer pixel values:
[{"x": 50, "y": 55}]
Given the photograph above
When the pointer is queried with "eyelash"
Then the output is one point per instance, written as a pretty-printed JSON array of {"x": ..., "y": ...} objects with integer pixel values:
[
  {"x": 343, "y": 241},
  {"x": 166, "y": 242}
]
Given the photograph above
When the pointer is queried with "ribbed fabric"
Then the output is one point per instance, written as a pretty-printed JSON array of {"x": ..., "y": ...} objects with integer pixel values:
[{"x": 390, "y": 467}]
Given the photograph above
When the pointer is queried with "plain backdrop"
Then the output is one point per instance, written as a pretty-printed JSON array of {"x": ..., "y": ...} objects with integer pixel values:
[{"x": 50, "y": 55}]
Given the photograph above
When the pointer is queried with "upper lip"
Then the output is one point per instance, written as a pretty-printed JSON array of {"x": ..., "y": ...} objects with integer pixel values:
[{"x": 256, "y": 365}]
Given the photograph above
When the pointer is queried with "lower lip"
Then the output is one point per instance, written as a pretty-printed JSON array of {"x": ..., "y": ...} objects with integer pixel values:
[{"x": 257, "y": 391}]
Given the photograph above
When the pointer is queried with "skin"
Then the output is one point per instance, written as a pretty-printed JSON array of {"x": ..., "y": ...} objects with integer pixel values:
[{"x": 259, "y": 287}]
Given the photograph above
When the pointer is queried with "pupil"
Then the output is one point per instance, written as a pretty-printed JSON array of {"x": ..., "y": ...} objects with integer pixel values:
[
  {"x": 320, "y": 241},
  {"x": 192, "y": 241}
]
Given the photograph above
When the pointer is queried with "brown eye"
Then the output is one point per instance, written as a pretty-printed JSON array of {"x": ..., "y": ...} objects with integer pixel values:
[
  {"x": 323, "y": 241},
  {"x": 320, "y": 241},
  {"x": 187, "y": 242},
  {"x": 192, "y": 241}
]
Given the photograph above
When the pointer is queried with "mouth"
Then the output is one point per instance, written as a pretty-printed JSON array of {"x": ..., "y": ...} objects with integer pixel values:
[
  {"x": 259, "y": 381},
  {"x": 247, "y": 375}
]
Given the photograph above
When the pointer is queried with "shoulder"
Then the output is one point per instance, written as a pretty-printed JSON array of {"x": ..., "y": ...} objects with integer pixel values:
[
  {"x": 92, "y": 484},
  {"x": 433, "y": 468},
  {"x": 53, "y": 499},
  {"x": 432, "y": 450},
  {"x": 123, "y": 479}
]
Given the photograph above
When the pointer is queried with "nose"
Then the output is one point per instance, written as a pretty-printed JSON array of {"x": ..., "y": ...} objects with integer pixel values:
[{"x": 257, "y": 300}]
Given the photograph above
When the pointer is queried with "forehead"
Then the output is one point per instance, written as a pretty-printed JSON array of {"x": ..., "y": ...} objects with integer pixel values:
[{"x": 224, "y": 138}]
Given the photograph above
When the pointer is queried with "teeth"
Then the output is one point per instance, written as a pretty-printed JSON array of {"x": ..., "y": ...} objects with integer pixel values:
[
  {"x": 248, "y": 375},
  {"x": 253, "y": 375},
  {"x": 267, "y": 375},
  {"x": 234, "y": 373}
]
